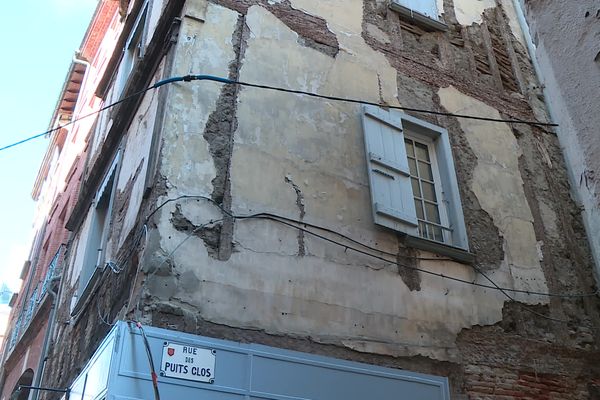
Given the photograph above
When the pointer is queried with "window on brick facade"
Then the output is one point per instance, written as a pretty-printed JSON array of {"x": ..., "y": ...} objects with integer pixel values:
[{"x": 413, "y": 183}]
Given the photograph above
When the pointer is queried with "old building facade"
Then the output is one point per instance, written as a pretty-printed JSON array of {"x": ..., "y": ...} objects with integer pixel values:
[
  {"x": 56, "y": 189},
  {"x": 423, "y": 227},
  {"x": 555, "y": 28}
]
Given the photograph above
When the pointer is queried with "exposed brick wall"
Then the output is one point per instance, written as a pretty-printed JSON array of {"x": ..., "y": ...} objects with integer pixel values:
[
  {"x": 526, "y": 356},
  {"x": 500, "y": 383}
]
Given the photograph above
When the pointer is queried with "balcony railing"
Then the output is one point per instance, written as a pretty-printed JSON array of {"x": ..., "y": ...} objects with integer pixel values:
[
  {"x": 50, "y": 273},
  {"x": 30, "y": 307}
]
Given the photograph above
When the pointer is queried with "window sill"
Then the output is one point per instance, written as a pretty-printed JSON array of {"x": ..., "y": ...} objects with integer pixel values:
[
  {"x": 85, "y": 295},
  {"x": 418, "y": 18},
  {"x": 455, "y": 253}
]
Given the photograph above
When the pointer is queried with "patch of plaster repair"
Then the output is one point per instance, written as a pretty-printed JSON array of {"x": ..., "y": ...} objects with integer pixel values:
[
  {"x": 210, "y": 235},
  {"x": 312, "y": 30},
  {"x": 222, "y": 122},
  {"x": 406, "y": 262},
  {"x": 498, "y": 186},
  {"x": 219, "y": 134},
  {"x": 345, "y": 19},
  {"x": 301, "y": 208},
  {"x": 470, "y": 12}
]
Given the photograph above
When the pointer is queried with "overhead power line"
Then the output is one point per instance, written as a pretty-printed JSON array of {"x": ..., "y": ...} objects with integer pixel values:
[
  {"x": 190, "y": 78},
  {"x": 303, "y": 225},
  {"x": 368, "y": 250}
]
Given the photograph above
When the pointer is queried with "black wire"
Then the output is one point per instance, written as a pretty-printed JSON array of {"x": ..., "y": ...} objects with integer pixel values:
[
  {"x": 49, "y": 131},
  {"x": 516, "y": 302},
  {"x": 294, "y": 224},
  {"x": 189, "y": 78},
  {"x": 495, "y": 286},
  {"x": 358, "y": 101},
  {"x": 300, "y": 222}
]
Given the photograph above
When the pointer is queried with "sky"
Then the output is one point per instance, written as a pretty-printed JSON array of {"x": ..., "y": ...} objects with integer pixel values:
[{"x": 38, "y": 40}]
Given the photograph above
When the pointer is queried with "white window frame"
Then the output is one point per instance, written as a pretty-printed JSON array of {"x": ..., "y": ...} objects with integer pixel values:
[
  {"x": 400, "y": 214},
  {"x": 423, "y": 12},
  {"x": 134, "y": 48},
  {"x": 441, "y": 201}
]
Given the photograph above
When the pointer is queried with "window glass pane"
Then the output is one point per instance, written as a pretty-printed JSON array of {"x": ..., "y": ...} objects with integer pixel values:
[
  {"x": 433, "y": 214},
  {"x": 425, "y": 171},
  {"x": 422, "y": 229},
  {"x": 422, "y": 152},
  {"x": 419, "y": 208},
  {"x": 415, "y": 187},
  {"x": 412, "y": 164},
  {"x": 428, "y": 191},
  {"x": 438, "y": 234},
  {"x": 409, "y": 148}
]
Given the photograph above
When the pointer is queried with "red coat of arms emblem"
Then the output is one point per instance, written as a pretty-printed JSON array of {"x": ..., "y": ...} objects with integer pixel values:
[{"x": 170, "y": 351}]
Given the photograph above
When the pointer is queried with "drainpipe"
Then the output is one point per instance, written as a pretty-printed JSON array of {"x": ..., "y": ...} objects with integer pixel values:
[
  {"x": 77, "y": 60},
  {"x": 528, "y": 39},
  {"x": 519, "y": 8},
  {"x": 46, "y": 346},
  {"x": 531, "y": 50}
]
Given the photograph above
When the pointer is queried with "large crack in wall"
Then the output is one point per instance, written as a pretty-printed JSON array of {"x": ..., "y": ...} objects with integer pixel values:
[
  {"x": 219, "y": 133},
  {"x": 302, "y": 212}
]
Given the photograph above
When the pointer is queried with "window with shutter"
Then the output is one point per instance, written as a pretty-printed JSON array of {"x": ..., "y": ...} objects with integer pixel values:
[
  {"x": 389, "y": 174},
  {"x": 413, "y": 182}
]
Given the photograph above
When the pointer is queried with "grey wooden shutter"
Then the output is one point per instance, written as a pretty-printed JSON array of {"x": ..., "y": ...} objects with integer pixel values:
[
  {"x": 389, "y": 176},
  {"x": 426, "y": 7}
]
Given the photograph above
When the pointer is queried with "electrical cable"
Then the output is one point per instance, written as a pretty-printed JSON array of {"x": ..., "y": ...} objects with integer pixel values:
[
  {"x": 294, "y": 224},
  {"x": 102, "y": 318},
  {"x": 190, "y": 78},
  {"x": 150, "y": 360},
  {"x": 306, "y": 224},
  {"x": 168, "y": 257},
  {"x": 137, "y": 271},
  {"x": 524, "y": 307},
  {"x": 74, "y": 120},
  {"x": 495, "y": 286}
]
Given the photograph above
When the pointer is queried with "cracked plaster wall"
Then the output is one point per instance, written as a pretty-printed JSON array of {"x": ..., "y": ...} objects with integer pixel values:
[
  {"x": 566, "y": 38},
  {"x": 299, "y": 156},
  {"x": 498, "y": 185},
  {"x": 304, "y": 158}
]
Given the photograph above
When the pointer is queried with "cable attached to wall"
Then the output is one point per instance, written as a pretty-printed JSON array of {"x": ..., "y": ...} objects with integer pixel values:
[
  {"x": 190, "y": 78},
  {"x": 150, "y": 359},
  {"x": 303, "y": 226}
]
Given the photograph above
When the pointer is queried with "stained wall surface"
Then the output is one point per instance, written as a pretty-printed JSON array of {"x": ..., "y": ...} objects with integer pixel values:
[
  {"x": 566, "y": 37},
  {"x": 254, "y": 151},
  {"x": 193, "y": 254}
]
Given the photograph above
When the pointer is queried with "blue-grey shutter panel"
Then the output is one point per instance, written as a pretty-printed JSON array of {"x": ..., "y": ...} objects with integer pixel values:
[
  {"x": 389, "y": 176},
  {"x": 426, "y": 7}
]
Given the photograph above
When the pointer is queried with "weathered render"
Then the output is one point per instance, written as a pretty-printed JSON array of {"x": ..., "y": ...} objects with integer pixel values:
[
  {"x": 213, "y": 182},
  {"x": 566, "y": 46}
]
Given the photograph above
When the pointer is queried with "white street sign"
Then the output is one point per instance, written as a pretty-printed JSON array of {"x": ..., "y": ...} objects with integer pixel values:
[{"x": 188, "y": 362}]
